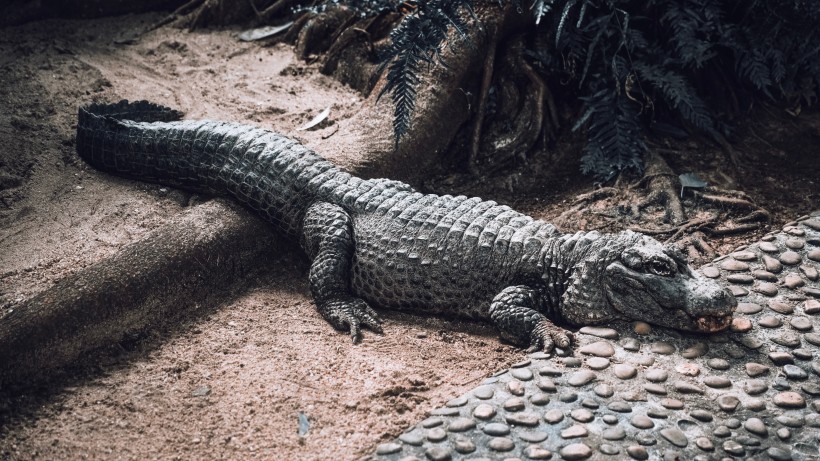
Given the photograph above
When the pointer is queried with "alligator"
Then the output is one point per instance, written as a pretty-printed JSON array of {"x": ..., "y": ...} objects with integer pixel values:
[{"x": 379, "y": 242}]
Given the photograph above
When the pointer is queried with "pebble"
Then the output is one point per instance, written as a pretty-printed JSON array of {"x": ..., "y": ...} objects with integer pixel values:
[
  {"x": 672, "y": 404},
  {"x": 731, "y": 264},
  {"x": 657, "y": 413},
  {"x": 598, "y": 349},
  {"x": 754, "y": 369},
  {"x": 436, "y": 434},
  {"x": 662, "y": 347},
  {"x": 625, "y": 371},
  {"x": 484, "y": 411},
  {"x": 701, "y": 415},
  {"x": 496, "y": 429},
  {"x": 810, "y": 272},
  {"x": 687, "y": 388},
  {"x": 769, "y": 321},
  {"x": 781, "y": 358},
  {"x": 642, "y": 422},
  {"x": 744, "y": 255},
  {"x": 787, "y": 339},
  {"x": 501, "y": 444},
  {"x": 675, "y": 436},
  {"x": 794, "y": 372},
  {"x": 549, "y": 371},
  {"x": 610, "y": 419},
  {"x": 742, "y": 279},
  {"x": 789, "y": 400},
  {"x": 533, "y": 436},
  {"x": 814, "y": 254},
  {"x": 654, "y": 388},
  {"x": 791, "y": 420},
  {"x": 790, "y": 258},
  {"x": 801, "y": 323},
  {"x": 784, "y": 433},
  {"x": 603, "y": 390},
  {"x": 642, "y": 328},
  {"x": 761, "y": 274},
  {"x": 755, "y": 386},
  {"x": 795, "y": 243},
  {"x": 766, "y": 288},
  {"x": 582, "y": 415},
  {"x": 643, "y": 360},
  {"x": 733, "y": 448},
  {"x": 754, "y": 404},
  {"x": 710, "y": 271},
  {"x": 461, "y": 425},
  {"x": 521, "y": 364},
  {"x": 718, "y": 364},
  {"x": 516, "y": 388},
  {"x": 522, "y": 419},
  {"x": 728, "y": 402},
  {"x": 792, "y": 281},
  {"x": 694, "y": 351},
  {"x": 780, "y": 307},
  {"x": 601, "y": 332},
  {"x": 637, "y": 452},
  {"x": 811, "y": 307},
  {"x": 779, "y": 454},
  {"x": 581, "y": 378},
  {"x": 768, "y": 247},
  {"x": 411, "y": 438},
  {"x": 554, "y": 416},
  {"x": 438, "y": 454},
  {"x": 631, "y": 344},
  {"x": 771, "y": 264},
  {"x": 811, "y": 291},
  {"x": 741, "y": 324},
  {"x": 572, "y": 362},
  {"x": 388, "y": 448},
  {"x": 597, "y": 363},
  {"x": 656, "y": 375},
  {"x": 547, "y": 385},
  {"x": 567, "y": 397},
  {"x": 613, "y": 433},
  {"x": 756, "y": 426},
  {"x": 536, "y": 452},
  {"x": 704, "y": 444},
  {"x": 748, "y": 308},
  {"x": 484, "y": 392},
  {"x": 463, "y": 445},
  {"x": 576, "y": 451},
  {"x": 722, "y": 431},
  {"x": 619, "y": 406},
  {"x": 540, "y": 399},
  {"x": 523, "y": 374},
  {"x": 688, "y": 369},
  {"x": 738, "y": 292},
  {"x": 750, "y": 341},
  {"x": 574, "y": 431},
  {"x": 514, "y": 404},
  {"x": 608, "y": 449},
  {"x": 717, "y": 382}
]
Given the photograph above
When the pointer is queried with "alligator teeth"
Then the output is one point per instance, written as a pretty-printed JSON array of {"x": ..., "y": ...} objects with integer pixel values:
[{"x": 713, "y": 323}]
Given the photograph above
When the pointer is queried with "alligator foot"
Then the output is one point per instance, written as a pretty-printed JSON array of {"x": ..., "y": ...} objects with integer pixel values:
[
  {"x": 515, "y": 312},
  {"x": 349, "y": 315}
]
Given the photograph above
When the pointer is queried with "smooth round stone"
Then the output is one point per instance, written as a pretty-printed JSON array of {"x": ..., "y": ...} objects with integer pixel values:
[
  {"x": 645, "y": 438},
  {"x": 436, "y": 434},
  {"x": 608, "y": 449},
  {"x": 672, "y": 404},
  {"x": 572, "y": 362},
  {"x": 484, "y": 392},
  {"x": 741, "y": 325},
  {"x": 523, "y": 374},
  {"x": 613, "y": 433},
  {"x": 522, "y": 419},
  {"x": 516, "y": 388},
  {"x": 769, "y": 321},
  {"x": 438, "y": 454},
  {"x": 631, "y": 344},
  {"x": 766, "y": 288},
  {"x": 501, "y": 444},
  {"x": 643, "y": 360},
  {"x": 514, "y": 404},
  {"x": 484, "y": 411},
  {"x": 601, "y": 332},
  {"x": 733, "y": 448},
  {"x": 642, "y": 328},
  {"x": 642, "y": 422},
  {"x": 811, "y": 307},
  {"x": 772, "y": 264},
  {"x": 812, "y": 389},
  {"x": 655, "y": 388},
  {"x": 750, "y": 341},
  {"x": 656, "y": 375},
  {"x": 710, "y": 271},
  {"x": 597, "y": 363},
  {"x": 768, "y": 247},
  {"x": 766, "y": 276},
  {"x": 575, "y": 431},
  {"x": 795, "y": 243},
  {"x": 688, "y": 369},
  {"x": 810, "y": 272},
  {"x": 741, "y": 279},
  {"x": 801, "y": 323},
  {"x": 794, "y": 372},
  {"x": 790, "y": 258},
  {"x": 789, "y": 400},
  {"x": 610, "y": 419},
  {"x": 728, "y": 402},
  {"x": 694, "y": 351},
  {"x": 624, "y": 371},
  {"x": 787, "y": 339},
  {"x": 432, "y": 422},
  {"x": 576, "y": 451},
  {"x": 496, "y": 429},
  {"x": 540, "y": 399},
  {"x": 461, "y": 425},
  {"x": 590, "y": 403},
  {"x": 748, "y": 308},
  {"x": 717, "y": 382},
  {"x": 412, "y": 438},
  {"x": 812, "y": 338},
  {"x": 792, "y": 281},
  {"x": 687, "y": 388},
  {"x": 791, "y": 420},
  {"x": 780, "y": 307},
  {"x": 780, "y": 383},
  {"x": 548, "y": 370},
  {"x": 755, "y": 386},
  {"x": 546, "y": 385},
  {"x": 603, "y": 390},
  {"x": 637, "y": 452},
  {"x": 446, "y": 411},
  {"x": 701, "y": 415},
  {"x": 581, "y": 378},
  {"x": 754, "y": 369},
  {"x": 657, "y": 413},
  {"x": 388, "y": 448},
  {"x": 463, "y": 445},
  {"x": 811, "y": 291},
  {"x": 620, "y": 406},
  {"x": 568, "y": 397},
  {"x": 738, "y": 292},
  {"x": 704, "y": 444},
  {"x": 744, "y": 255},
  {"x": 756, "y": 426},
  {"x": 784, "y": 433},
  {"x": 779, "y": 454},
  {"x": 533, "y": 436},
  {"x": 662, "y": 347},
  {"x": 582, "y": 415},
  {"x": 675, "y": 436},
  {"x": 554, "y": 416},
  {"x": 722, "y": 431},
  {"x": 731, "y": 264},
  {"x": 814, "y": 254},
  {"x": 718, "y": 364},
  {"x": 521, "y": 364},
  {"x": 536, "y": 452}
]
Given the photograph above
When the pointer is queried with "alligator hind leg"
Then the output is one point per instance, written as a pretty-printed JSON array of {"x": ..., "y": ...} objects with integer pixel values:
[
  {"x": 327, "y": 237},
  {"x": 514, "y": 312}
]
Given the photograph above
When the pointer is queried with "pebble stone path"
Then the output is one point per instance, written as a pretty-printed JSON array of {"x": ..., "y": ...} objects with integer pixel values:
[{"x": 751, "y": 393}]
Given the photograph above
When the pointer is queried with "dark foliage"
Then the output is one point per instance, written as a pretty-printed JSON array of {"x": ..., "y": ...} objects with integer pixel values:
[{"x": 633, "y": 62}]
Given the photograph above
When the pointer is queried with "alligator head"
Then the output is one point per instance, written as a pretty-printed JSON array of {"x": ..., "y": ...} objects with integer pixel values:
[{"x": 634, "y": 277}]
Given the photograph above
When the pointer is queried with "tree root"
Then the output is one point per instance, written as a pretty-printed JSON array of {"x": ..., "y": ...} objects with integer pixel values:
[
  {"x": 663, "y": 186},
  {"x": 486, "y": 82}
]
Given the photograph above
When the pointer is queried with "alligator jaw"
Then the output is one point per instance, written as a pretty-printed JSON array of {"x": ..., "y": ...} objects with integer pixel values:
[{"x": 713, "y": 323}]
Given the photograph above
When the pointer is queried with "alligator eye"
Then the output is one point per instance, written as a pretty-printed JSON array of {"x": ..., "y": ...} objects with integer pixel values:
[
  {"x": 632, "y": 260},
  {"x": 661, "y": 267}
]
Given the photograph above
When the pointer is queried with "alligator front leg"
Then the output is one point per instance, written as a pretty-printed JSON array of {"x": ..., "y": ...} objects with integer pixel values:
[
  {"x": 327, "y": 237},
  {"x": 514, "y": 312}
]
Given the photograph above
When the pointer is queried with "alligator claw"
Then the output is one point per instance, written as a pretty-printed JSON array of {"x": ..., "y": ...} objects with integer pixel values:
[
  {"x": 546, "y": 336},
  {"x": 350, "y": 315}
]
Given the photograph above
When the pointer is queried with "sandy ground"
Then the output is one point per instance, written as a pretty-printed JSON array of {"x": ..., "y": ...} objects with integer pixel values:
[{"x": 228, "y": 384}]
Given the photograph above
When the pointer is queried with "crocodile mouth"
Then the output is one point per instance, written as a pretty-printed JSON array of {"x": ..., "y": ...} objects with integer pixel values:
[{"x": 713, "y": 323}]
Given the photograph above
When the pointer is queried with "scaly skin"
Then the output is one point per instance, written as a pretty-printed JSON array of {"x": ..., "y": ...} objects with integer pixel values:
[{"x": 378, "y": 242}]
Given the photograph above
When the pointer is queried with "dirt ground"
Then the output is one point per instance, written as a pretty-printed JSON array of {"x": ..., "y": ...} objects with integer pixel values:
[{"x": 230, "y": 383}]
